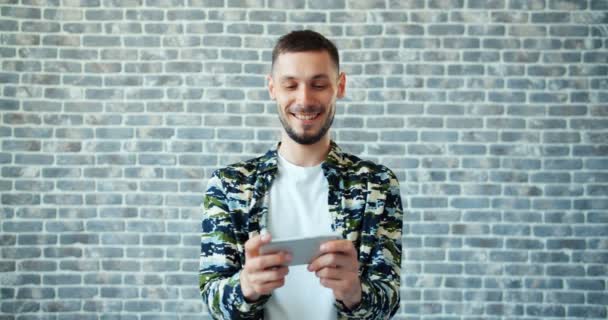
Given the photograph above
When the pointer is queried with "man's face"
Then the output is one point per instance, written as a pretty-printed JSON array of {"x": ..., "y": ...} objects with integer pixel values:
[{"x": 305, "y": 86}]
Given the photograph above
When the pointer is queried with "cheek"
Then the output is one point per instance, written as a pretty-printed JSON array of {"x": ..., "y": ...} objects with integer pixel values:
[
  {"x": 284, "y": 101},
  {"x": 328, "y": 98}
]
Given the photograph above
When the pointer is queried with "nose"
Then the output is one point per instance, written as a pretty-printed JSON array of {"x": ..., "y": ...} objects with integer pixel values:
[{"x": 304, "y": 96}]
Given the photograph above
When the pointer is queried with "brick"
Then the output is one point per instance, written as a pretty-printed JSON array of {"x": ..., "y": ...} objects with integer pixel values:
[
  {"x": 480, "y": 4},
  {"x": 598, "y": 5},
  {"x": 124, "y": 293},
  {"x": 20, "y": 307},
  {"x": 178, "y": 279},
  {"x": 527, "y": 297},
  {"x": 76, "y": 292},
  {"x": 509, "y": 17},
  {"x": 590, "y": 151},
  {"x": 597, "y": 298},
  {"x": 7, "y": 240},
  {"x": 508, "y": 256},
  {"x": 526, "y": 4},
  {"x": 19, "y": 39},
  {"x": 512, "y": 229},
  {"x": 21, "y": 118},
  {"x": 550, "y": 17},
  {"x": 118, "y": 239},
  {"x": 103, "y": 253},
  {"x": 184, "y": 306},
  {"x": 445, "y": 4},
  {"x": 20, "y": 199},
  {"x": 363, "y": 30},
  {"x": 55, "y": 252},
  {"x": 457, "y": 282},
  {"x": 37, "y": 266},
  {"x": 25, "y": 13},
  {"x": 445, "y": 29},
  {"x": 21, "y": 253},
  {"x": 142, "y": 306},
  {"x": 33, "y": 186},
  {"x": 35, "y": 293},
  {"x": 28, "y": 172},
  {"x": 313, "y": 4},
  {"x": 161, "y": 240},
  {"x": 165, "y": 3},
  {"x": 569, "y": 31},
  {"x": 33, "y": 159},
  {"x": 9, "y": 25},
  {"x": 166, "y": 266},
  {"x": 483, "y": 243},
  {"x": 144, "y": 252},
  {"x": 5, "y": 158},
  {"x": 185, "y": 94},
  {"x": 586, "y": 311},
  {"x": 33, "y": 239},
  {"x": 546, "y": 311},
  {"x": 485, "y": 30},
  {"x": 113, "y": 185},
  {"x": 67, "y": 239},
  {"x": 524, "y": 244},
  {"x": 430, "y": 228}
]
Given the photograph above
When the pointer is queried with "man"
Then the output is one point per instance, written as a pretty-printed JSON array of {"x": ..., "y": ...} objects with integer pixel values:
[{"x": 302, "y": 187}]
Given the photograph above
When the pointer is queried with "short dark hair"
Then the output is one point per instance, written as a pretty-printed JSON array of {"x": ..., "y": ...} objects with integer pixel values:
[{"x": 305, "y": 40}]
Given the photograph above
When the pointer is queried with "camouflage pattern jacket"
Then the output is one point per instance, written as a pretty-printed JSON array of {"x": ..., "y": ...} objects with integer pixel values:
[{"x": 365, "y": 205}]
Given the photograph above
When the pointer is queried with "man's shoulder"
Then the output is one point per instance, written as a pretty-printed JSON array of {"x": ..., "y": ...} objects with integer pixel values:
[
  {"x": 241, "y": 170},
  {"x": 355, "y": 166}
]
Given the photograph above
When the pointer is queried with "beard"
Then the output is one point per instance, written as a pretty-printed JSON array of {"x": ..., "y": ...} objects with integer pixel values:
[{"x": 304, "y": 138}]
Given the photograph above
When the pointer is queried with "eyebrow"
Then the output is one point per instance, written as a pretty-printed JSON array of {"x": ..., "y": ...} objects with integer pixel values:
[{"x": 315, "y": 77}]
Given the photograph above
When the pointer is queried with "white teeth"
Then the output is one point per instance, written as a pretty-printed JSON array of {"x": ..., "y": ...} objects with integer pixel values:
[{"x": 305, "y": 116}]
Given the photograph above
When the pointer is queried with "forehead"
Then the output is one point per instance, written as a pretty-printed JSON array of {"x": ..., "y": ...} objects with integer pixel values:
[{"x": 304, "y": 65}]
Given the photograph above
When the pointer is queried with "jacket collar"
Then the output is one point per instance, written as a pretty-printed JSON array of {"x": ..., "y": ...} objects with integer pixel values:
[
  {"x": 267, "y": 169},
  {"x": 334, "y": 162}
]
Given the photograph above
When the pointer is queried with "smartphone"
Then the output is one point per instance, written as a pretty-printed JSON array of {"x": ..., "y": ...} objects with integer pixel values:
[{"x": 303, "y": 250}]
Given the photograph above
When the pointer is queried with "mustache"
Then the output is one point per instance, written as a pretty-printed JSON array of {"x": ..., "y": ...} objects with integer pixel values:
[{"x": 306, "y": 109}]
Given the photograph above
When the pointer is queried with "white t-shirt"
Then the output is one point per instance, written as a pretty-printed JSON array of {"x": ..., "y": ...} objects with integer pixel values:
[{"x": 298, "y": 207}]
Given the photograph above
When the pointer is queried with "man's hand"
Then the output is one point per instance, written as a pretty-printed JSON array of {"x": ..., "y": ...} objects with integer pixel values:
[
  {"x": 262, "y": 273},
  {"x": 338, "y": 269}
]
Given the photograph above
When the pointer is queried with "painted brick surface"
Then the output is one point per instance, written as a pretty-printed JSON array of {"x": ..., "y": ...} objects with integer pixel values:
[{"x": 493, "y": 114}]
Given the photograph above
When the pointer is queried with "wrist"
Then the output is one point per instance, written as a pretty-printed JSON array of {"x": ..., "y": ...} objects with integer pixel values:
[
  {"x": 354, "y": 299},
  {"x": 351, "y": 303},
  {"x": 248, "y": 293}
]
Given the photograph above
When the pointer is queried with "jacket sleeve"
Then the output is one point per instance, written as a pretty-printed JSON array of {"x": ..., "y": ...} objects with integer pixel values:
[
  {"x": 220, "y": 265},
  {"x": 380, "y": 253}
]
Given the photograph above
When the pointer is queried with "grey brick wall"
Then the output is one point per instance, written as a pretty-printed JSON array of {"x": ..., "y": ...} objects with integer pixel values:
[{"x": 493, "y": 113}]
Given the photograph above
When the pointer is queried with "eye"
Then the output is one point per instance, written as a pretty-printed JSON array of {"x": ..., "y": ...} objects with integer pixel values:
[
  {"x": 290, "y": 86},
  {"x": 319, "y": 86}
]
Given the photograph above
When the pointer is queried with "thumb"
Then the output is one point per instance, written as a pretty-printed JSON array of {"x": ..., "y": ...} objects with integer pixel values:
[{"x": 252, "y": 246}]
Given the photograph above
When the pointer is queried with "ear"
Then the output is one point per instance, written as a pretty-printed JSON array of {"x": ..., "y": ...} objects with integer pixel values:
[
  {"x": 270, "y": 86},
  {"x": 341, "y": 85}
]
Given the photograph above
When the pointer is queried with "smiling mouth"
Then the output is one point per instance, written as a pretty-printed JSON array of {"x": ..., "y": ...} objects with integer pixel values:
[{"x": 306, "y": 116}]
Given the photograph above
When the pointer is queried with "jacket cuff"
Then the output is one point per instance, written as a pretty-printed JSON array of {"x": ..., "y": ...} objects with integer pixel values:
[
  {"x": 360, "y": 311},
  {"x": 240, "y": 303}
]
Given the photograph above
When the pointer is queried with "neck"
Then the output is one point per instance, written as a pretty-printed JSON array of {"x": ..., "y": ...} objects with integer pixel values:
[{"x": 304, "y": 155}]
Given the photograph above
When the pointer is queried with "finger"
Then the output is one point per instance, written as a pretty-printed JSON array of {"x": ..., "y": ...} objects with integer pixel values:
[
  {"x": 333, "y": 274},
  {"x": 271, "y": 275},
  {"x": 333, "y": 260},
  {"x": 268, "y": 287},
  {"x": 331, "y": 283},
  {"x": 252, "y": 246},
  {"x": 338, "y": 287},
  {"x": 268, "y": 261},
  {"x": 338, "y": 246}
]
